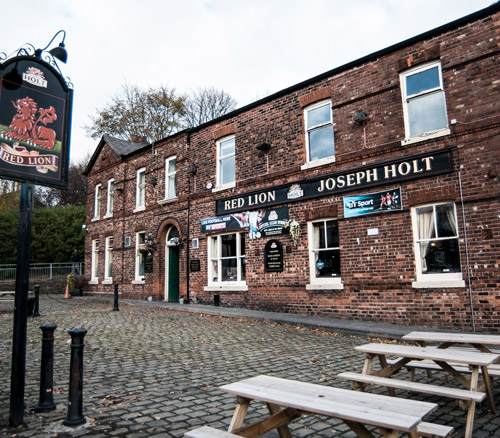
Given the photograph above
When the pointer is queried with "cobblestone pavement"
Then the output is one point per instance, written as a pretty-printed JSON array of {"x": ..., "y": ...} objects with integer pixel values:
[{"x": 153, "y": 372}]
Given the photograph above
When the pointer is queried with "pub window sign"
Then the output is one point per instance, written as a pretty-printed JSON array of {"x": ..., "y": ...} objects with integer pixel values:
[{"x": 35, "y": 120}]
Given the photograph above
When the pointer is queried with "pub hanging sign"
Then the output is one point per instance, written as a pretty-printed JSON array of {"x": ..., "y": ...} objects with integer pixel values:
[{"x": 35, "y": 121}]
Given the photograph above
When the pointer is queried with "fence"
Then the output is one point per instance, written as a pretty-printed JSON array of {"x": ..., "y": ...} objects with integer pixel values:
[{"x": 40, "y": 271}]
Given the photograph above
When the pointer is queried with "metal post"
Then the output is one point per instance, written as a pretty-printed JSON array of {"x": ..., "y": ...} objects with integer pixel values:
[
  {"x": 18, "y": 370},
  {"x": 36, "y": 312},
  {"x": 46, "y": 401},
  {"x": 116, "y": 309},
  {"x": 75, "y": 399}
]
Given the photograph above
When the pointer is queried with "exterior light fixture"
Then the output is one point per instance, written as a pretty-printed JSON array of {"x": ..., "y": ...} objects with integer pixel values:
[
  {"x": 264, "y": 147},
  {"x": 58, "y": 52},
  {"x": 360, "y": 118},
  {"x": 193, "y": 169}
]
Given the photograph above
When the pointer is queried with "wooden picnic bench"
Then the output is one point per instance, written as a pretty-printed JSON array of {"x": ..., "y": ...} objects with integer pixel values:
[
  {"x": 208, "y": 432},
  {"x": 444, "y": 359},
  {"x": 287, "y": 400},
  {"x": 10, "y": 295}
]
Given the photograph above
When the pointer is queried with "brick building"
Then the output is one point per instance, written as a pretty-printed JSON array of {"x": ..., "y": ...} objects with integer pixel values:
[{"x": 368, "y": 192}]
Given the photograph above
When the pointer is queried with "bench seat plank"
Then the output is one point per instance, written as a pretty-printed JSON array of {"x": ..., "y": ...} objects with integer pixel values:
[
  {"x": 493, "y": 370},
  {"x": 208, "y": 432},
  {"x": 382, "y": 411},
  {"x": 431, "y": 353},
  {"x": 464, "y": 338},
  {"x": 432, "y": 430},
  {"x": 457, "y": 393}
]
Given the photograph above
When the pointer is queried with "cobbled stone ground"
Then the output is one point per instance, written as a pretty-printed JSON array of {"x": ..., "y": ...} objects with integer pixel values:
[{"x": 152, "y": 372}]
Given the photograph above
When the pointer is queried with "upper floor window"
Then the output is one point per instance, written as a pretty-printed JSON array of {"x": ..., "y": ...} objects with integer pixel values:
[
  {"x": 170, "y": 177},
  {"x": 424, "y": 100},
  {"x": 111, "y": 197},
  {"x": 140, "y": 199},
  {"x": 319, "y": 131},
  {"x": 97, "y": 201},
  {"x": 108, "y": 262},
  {"x": 226, "y": 164},
  {"x": 324, "y": 254},
  {"x": 435, "y": 234}
]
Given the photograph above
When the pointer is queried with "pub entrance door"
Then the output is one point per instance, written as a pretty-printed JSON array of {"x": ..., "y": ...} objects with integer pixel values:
[{"x": 172, "y": 265}]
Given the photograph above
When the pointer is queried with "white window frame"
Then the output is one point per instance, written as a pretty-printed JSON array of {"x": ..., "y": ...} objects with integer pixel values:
[
  {"x": 169, "y": 175},
  {"x": 94, "y": 273},
  {"x": 108, "y": 260},
  {"x": 215, "y": 255},
  {"x": 308, "y": 129},
  {"x": 97, "y": 201},
  {"x": 140, "y": 243},
  {"x": 220, "y": 159},
  {"x": 334, "y": 283},
  {"x": 110, "y": 198},
  {"x": 441, "y": 280},
  {"x": 440, "y": 89},
  {"x": 140, "y": 190}
]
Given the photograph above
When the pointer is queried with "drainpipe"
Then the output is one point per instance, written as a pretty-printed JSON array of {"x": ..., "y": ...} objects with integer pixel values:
[{"x": 191, "y": 173}]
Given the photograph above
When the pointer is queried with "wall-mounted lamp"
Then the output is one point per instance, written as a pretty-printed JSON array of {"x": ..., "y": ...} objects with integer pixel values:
[
  {"x": 118, "y": 189},
  {"x": 264, "y": 147},
  {"x": 152, "y": 181},
  {"x": 193, "y": 169},
  {"x": 149, "y": 240},
  {"x": 84, "y": 228},
  {"x": 360, "y": 118},
  {"x": 173, "y": 241}
]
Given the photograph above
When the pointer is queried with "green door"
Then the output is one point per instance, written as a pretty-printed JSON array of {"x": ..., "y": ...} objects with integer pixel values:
[{"x": 173, "y": 273}]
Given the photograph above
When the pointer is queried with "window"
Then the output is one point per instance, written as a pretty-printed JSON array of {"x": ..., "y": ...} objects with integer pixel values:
[
  {"x": 94, "y": 275},
  {"x": 226, "y": 167},
  {"x": 424, "y": 101},
  {"x": 111, "y": 198},
  {"x": 319, "y": 131},
  {"x": 170, "y": 177},
  {"x": 324, "y": 254},
  {"x": 140, "y": 200},
  {"x": 108, "y": 259},
  {"x": 436, "y": 243},
  {"x": 140, "y": 257},
  {"x": 97, "y": 201},
  {"x": 227, "y": 259}
]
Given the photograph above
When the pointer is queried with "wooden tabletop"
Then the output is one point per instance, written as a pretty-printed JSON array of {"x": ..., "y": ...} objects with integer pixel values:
[
  {"x": 378, "y": 410},
  {"x": 453, "y": 337},
  {"x": 432, "y": 353}
]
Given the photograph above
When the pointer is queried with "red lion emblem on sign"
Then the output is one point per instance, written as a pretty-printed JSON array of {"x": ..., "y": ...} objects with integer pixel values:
[{"x": 26, "y": 127}]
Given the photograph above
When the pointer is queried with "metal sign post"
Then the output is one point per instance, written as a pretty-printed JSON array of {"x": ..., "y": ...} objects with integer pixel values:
[{"x": 16, "y": 415}]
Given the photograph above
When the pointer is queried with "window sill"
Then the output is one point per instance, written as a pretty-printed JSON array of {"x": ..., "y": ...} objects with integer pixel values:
[
  {"x": 227, "y": 287},
  {"x": 94, "y": 219},
  {"x": 107, "y": 216},
  {"x": 168, "y": 200},
  {"x": 138, "y": 282},
  {"x": 137, "y": 209},
  {"x": 92, "y": 282},
  {"x": 108, "y": 281},
  {"x": 317, "y": 163},
  {"x": 224, "y": 187},
  {"x": 445, "y": 284},
  {"x": 427, "y": 136},
  {"x": 325, "y": 286}
]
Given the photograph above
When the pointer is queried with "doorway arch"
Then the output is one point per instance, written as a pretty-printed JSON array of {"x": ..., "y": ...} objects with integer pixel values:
[{"x": 172, "y": 264}]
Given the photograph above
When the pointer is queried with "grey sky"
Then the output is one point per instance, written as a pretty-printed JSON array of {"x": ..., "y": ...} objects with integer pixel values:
[{"x": 248, "y": 48}]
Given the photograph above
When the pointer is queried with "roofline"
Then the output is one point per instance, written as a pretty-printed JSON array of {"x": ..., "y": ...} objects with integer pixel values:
[{"x": 489, "y": 10}]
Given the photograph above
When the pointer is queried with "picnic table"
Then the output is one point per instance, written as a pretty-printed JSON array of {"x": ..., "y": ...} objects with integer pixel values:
[
  {"x": 446, "y": 340},
  {"x": 287, "y": 400},
  {"x": 444, "y": 358}
]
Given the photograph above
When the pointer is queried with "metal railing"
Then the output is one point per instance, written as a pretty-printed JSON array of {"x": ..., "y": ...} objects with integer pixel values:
[{"x": 40, "y": 271}]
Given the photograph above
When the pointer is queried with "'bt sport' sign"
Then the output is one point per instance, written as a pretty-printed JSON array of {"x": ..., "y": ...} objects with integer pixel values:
[{"x": 35, "y": 121}]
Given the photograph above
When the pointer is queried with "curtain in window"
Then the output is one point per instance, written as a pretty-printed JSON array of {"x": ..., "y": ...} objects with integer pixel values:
[{"x": 425, "y": 218}]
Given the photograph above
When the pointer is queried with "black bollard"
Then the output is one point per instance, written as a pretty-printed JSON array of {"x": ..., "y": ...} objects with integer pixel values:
[
  {"x": 36, "y": 312},
  {"x": 116, "y": 309},
  {"x": 46, "y": 402},
  {"x": 75, "y": 405}
]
